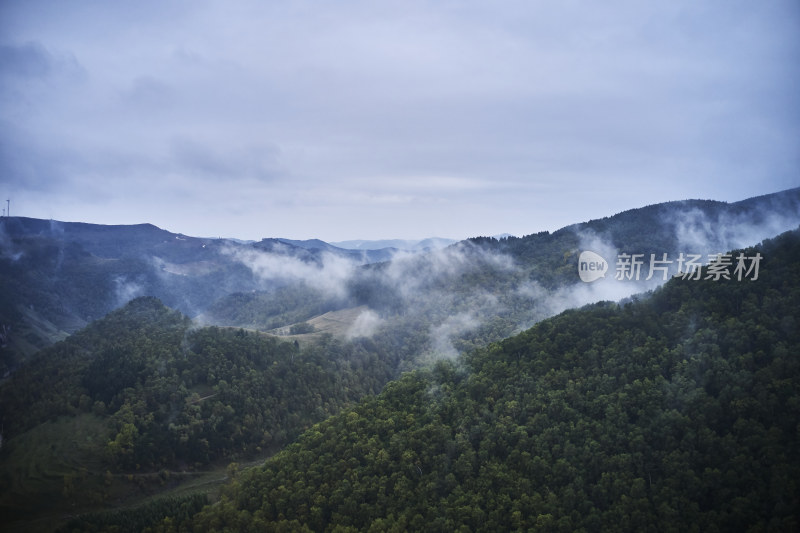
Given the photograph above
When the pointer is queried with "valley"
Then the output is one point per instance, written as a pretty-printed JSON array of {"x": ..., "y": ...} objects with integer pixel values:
[{"x": 160, "y": 372}]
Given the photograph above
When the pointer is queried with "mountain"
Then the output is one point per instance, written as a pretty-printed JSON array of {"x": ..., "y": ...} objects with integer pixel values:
[
  {"x": 673, "y": 412},
  {"x": 484, "y": 289},
  {"x": 433, "y": 243},
  {"x": 146, "y": 401},
  {"x": 504, "y": 285},
  {"x": 362, "y": 255},
  {"x": 689, "y": 226},
  {"x": 151, "y": 398},
  {"x": 56, "y": 277}
]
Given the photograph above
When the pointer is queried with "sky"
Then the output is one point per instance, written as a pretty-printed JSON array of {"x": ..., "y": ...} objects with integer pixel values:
[{"x": 371, "y": 120}]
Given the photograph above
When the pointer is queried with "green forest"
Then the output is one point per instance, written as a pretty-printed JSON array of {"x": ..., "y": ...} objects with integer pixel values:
[
  {"x": 675, "y": 411},
  {"x": 428, "y": 266},
  {"x": 425, "y": 419},
  {"x": 159, "y": 395}
]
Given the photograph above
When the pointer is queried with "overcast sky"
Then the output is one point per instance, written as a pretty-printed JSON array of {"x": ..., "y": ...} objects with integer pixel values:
[{"x": 344, "y": 120}]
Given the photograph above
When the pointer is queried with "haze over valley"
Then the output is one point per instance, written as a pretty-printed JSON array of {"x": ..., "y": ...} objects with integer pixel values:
[
  {"x": 399, "y": 266},
  {"x": 86, "y": 311}
]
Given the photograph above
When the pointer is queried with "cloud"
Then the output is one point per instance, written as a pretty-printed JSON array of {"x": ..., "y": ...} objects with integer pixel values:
[
  {"x": 463, "y": 294},
  {"x": 414, "y": 274},
  {"x": 205, "y": 160},
  {"x": 698, "y": 232},
  {"x": 7, "y": 248},
  {"x": 421, "y": 118},
  {"x": 365, "y": 325},
  {"x": 442, "y": 334},
  {"x": 149, "y": 94},
  {"x": 125, "y": 290},
  {"x": 29, "y": 60},
  {"x": 329, "y": 274}
]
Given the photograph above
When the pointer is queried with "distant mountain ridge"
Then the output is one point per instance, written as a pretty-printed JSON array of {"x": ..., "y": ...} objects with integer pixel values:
[
  {"x": 55, "y": 277},
  {"x": 674, "y": 226},
  {"x": 365, "y": 255},
  {"x": 432, "y": 243},
  {"x": 166, "y": 383},
  {"x": 677, "y": 412},
  {"x": 484, "y": 289}
]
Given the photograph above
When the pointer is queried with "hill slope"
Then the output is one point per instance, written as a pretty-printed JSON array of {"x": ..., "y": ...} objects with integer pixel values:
[
  {"x": 152, "y": 397},
  {"x": 56, "y": 277},
  {"x": 674, "y": 413},
  {"x": 501, "y": 286}
]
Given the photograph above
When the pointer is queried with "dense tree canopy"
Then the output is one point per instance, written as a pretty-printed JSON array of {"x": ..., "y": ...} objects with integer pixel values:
[
  {"x": 678, "y": 412},
  {"x": 677, "y": 408},
  {"x": 177, "y": 394}
]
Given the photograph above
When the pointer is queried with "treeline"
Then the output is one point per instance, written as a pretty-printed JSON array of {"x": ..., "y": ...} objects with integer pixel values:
[
  {"x": 271, "y": 309},
  {"x": 177, "y": 396},
  {"x": 674, "y": 413},
  {"x": 71, "y": 274},
  {"x": 499, "y": 286},
  {"x": 164, "y": 510}
]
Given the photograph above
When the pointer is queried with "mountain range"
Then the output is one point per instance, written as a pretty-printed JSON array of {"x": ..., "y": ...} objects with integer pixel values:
[
  {"x": 58, "y": 276},
  {"x": 138, "y": 362},
  {"x": 678, "y": 412},
  {"x": 423, "y": 245}
]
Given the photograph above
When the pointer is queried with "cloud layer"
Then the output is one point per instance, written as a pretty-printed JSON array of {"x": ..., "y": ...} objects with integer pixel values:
[
  {"x": 391, "y": 119},
  {"x": 470, "y": 292}
]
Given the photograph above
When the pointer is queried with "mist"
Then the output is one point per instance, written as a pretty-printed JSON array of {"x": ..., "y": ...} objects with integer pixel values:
[
  {"x": 126, "y": 290},
  {"x": 365, "y": 325},
  {"x": 329, "y": 274},
  {"x": 470, "y": 293},
  {"x": 696, "y": 230},
  {"x": 7, "y": 248}
]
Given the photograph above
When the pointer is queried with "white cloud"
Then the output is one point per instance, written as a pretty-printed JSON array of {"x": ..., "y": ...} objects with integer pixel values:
[
  {"x": 421, "y": 117},
  {"x": 330, "y": 275},
  {"x": 365, "y": 325}
]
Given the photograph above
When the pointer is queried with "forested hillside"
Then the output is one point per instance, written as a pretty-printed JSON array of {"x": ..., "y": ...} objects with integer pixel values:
[
  {"x": 677, "y": 412},
  {"x": 485, "y": 289},
  {"x": 159, "y": 395},
  {"x": 56, "y": 277},
  {"x": 690, "y": 226},
  {"x": 145, "y": 400}
]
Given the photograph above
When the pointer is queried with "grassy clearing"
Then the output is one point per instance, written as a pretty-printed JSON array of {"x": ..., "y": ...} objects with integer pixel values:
[{"x": 336, "y": 323}]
